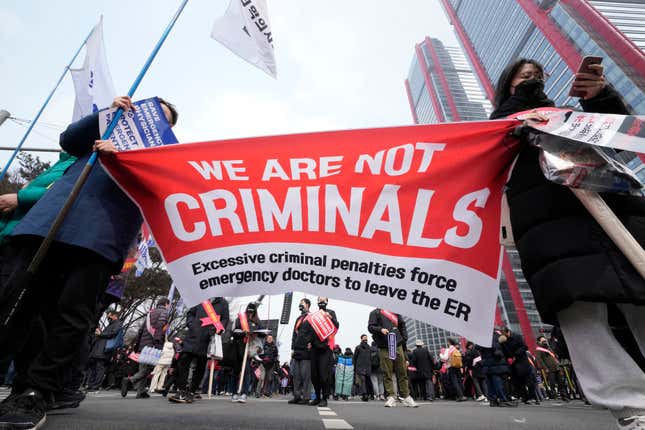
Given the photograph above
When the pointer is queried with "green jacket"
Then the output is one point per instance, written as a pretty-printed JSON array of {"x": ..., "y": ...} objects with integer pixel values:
[{"x": 29, "y": 195}]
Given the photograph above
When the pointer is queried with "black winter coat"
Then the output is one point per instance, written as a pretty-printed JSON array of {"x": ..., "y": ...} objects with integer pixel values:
[
  {"x": 363, "y": 359},
  {"x": 516, "y": 348},
  {"x": 198, "y": 337},
  {"x": 377, "y": 322},
  {"x": 469, "y": 357},
  {"x": 566, "y": 256},
  {"x": 423, "y": 361},
  {"x": 493, "y": 361},
  {"x": 98, "y": 347},
  {"x": 303, "y": 335}
]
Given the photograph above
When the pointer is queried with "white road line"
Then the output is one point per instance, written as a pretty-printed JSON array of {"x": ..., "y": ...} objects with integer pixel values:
[
  {"x": 336, "y": 424},
  {"x": 324, "y": 409},
  {"x": 327, "y": 413}
]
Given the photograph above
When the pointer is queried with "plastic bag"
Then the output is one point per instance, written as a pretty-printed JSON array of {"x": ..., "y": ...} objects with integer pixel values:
[{"x": 579, "y": 165}]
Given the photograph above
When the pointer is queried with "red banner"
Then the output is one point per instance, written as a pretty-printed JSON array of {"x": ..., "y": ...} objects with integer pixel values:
[{"x": 404, "y": 218}]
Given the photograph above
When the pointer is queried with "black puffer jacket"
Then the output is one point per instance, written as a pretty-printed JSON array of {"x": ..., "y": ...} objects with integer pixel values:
[
  {"x": 363, "y": 359},
  {"x": 301, "y": 339},
  {"x": 566, "y": 256},
  {"x": 198, "y": 337}
]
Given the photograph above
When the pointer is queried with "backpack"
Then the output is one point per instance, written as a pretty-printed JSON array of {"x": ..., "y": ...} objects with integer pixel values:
[
  {"x": 375, "y": 360},
  {"x": 114, "y": 343},
  {"x": 455, "y": 359}
]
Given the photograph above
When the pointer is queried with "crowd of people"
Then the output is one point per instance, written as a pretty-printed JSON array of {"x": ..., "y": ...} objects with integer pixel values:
[{"x": 579, "y": 285}]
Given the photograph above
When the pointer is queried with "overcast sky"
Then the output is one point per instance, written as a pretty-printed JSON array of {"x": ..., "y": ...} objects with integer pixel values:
[{"x": 340, "y": 64}]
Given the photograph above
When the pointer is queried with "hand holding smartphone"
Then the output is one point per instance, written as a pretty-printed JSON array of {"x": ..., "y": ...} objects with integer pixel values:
[{"x": 589, "y": 79}]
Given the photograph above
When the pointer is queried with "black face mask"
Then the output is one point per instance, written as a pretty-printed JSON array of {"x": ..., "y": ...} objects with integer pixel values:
[
  {"x": 532, "y": 89},
  {"x": 322, "y": 305},
  {"x": 302, "y": 309},
  {"x": 364, "y": 341}
]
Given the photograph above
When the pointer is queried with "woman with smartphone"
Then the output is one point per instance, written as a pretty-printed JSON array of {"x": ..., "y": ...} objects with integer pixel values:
[{"x": 577, "y": 274}]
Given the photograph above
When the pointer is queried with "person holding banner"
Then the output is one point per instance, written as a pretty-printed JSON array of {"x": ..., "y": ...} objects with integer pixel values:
[
  {"x": 89, "y": 247},
  {"x": 578, "y": 276},
  {"x": 202, "y": 322},
  {"x": 301, "y": 339},
  {"x": 321, "y": 353},
  {"x": 390, "y": 334}
]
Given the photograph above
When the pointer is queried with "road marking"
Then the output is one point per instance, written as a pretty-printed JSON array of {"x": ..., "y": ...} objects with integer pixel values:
[
  {"x": 336, "y": 424},
  {"x": 327, "y": 413},
  {"x": 324, "y": 409}
]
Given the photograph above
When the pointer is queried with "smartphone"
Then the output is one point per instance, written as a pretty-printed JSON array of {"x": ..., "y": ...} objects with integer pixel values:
[{"x": 584, "y": 68}]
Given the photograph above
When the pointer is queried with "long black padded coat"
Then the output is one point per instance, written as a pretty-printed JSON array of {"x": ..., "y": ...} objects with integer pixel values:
[{"x": 566, "y": 256}]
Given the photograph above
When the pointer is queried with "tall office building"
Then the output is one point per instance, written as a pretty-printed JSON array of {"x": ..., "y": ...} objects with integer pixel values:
[
  {"x": 557, "y": 33},
  {"x": 442, "y": 87}
]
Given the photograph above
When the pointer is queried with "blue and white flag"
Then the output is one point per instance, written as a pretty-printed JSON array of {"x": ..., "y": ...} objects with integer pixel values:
[
  {"x": 144, "y": 126},
  {"x": 144, "y": 261},
  {"x": 93, "y": 82}
]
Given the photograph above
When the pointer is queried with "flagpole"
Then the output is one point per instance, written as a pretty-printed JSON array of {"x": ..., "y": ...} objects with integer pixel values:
[
  {"x": 42, "y": 108},
  {"x": 44, "y": 246}
]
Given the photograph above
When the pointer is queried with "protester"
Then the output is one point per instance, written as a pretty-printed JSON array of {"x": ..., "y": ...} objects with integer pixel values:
[
  {"x": 376, "y": 374},
  {"x": 285, "y": 378},
  {"x": 515, "y": 349},
  {"x": 362, "y": 366},
  {"x": 496, "y": 369},
  {"x": 90, "y": 246},
  {"x": 454, "y": 363},
  {"x": 151, "y": 334},
  {"x": 301, "y": 341},
  {"x": 381, "y": 323},
  {"x": 424, "y": 362},
  {"x": 473, "y": 367},
  {"x": 549, "y": 364},
  {"x": 103, "y": 348},
  {"x": 195, "y": 347},
  {"x": 321, "y": 359},
  {"x": 575, "y": 271},
  {"x": 269, "y": 360},
  {"x": 242, "y": 337}
]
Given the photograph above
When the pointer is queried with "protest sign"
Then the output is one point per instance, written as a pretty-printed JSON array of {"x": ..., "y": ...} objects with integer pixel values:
[
  {"x": 401, "y": 218},
  {"x": 141, "y": 127},
  {"x": 322, "y": 324}
]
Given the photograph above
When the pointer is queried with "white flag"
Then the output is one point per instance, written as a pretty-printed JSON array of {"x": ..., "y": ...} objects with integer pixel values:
[
  {"x": 245, "y": 30},
  {"x": 93, "y": 82}
]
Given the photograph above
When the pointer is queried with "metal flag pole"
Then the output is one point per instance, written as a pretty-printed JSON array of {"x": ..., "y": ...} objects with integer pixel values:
[
  {"x": 44, "y": 246},
  {"x": 42, "y": 108},
  {"x": 22, "y": 279}
]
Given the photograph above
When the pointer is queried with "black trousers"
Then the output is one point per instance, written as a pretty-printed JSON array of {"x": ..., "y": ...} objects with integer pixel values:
[
  {"x": 321, "y": 361},
  {"x": 183, "y": 369},
  {"x": 62, "y": 296},
  {"x": 95, "y": 373}
]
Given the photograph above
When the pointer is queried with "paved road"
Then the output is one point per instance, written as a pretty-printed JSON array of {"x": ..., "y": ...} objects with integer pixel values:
[{"x": 108, "y": 411}]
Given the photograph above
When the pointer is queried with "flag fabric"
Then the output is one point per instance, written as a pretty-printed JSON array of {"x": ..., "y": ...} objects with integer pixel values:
[
  {"x": 401, "y": 218},
  {"x": 93, "y": 82},
  {"x": 245, "y": 30}
]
